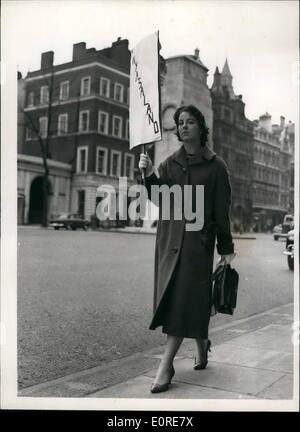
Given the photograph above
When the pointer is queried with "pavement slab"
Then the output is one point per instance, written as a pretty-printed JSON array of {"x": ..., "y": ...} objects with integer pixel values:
[
  {"x": 139, "y": 387},
  {"x": 237, "y": 379},
  {"x": 252, "y": 357},
  {"x": 273, "y": 337},
  {"x": 281, "y": 389}
]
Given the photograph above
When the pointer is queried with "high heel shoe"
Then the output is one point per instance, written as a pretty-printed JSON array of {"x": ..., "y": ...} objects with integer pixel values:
[
  {"x": 203, "y": 364},
  {"x": 158, "y": 388}
]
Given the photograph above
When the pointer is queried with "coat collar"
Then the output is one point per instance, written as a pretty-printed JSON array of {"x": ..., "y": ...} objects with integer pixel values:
[{"x": 205, "y": 154}]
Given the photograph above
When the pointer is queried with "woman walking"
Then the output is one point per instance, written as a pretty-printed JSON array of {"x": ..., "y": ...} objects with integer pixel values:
[{"x": 183, "y": 257}]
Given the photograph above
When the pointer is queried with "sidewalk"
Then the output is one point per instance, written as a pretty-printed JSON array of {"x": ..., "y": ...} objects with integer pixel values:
[{"x": 251, "y": 358}]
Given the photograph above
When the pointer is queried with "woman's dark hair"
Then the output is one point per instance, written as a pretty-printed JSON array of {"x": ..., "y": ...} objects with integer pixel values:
[{"x": 200, "y": 120}]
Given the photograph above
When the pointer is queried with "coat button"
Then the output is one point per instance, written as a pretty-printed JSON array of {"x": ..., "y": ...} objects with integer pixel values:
[
  {"x": 175, "y": 250},
  {"x": 184, "y": 169}
]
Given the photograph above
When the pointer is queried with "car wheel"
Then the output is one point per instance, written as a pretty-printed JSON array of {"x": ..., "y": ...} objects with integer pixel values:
[
  {"x": 290, "y": 262},
  {"x": 73, "y": 228},
  {"x": 56, "y": 228}
]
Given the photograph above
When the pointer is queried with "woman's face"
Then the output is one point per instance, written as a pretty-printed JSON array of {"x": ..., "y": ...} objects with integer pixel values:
[{"x": 188, "y": 127}]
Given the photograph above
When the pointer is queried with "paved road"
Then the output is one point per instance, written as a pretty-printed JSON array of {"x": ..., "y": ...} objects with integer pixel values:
[{"x": 85, "y": 298}]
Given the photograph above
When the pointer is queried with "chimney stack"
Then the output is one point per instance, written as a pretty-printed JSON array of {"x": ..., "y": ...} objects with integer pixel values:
[
  {"x": 47, "y": 59},
  {"x": 265, "y": 122},
  {"x": 282, "y": 121},
  {"x": 196, "y": 54},
  {"x": 79, "y": 50},
  {"x": 120, "y": 43},
  {"x": 119, "y": 51}
]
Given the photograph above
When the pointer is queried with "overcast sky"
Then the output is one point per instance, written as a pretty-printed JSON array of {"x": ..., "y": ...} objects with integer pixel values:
[{"x": 259, "y": 38}]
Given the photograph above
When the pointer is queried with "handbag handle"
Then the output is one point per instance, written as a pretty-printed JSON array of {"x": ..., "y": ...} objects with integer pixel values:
[{"x": 219, "y": 269}]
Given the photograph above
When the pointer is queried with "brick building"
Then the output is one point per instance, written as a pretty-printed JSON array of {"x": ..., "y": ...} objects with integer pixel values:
[
  {"x": 81, "y": 109},
  {"x": 233, "y": 141}
]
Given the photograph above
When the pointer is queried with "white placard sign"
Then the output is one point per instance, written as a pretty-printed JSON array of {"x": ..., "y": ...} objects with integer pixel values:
[{"x": 144, "y": 106}]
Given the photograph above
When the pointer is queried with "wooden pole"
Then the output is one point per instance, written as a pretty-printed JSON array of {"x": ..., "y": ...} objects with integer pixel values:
[{"x": 144, "y": 170}]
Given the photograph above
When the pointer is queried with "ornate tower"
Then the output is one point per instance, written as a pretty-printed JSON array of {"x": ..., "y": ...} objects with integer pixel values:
[
  {"x": 217, "y": 85},
  {"x": 226, "y": 79}
]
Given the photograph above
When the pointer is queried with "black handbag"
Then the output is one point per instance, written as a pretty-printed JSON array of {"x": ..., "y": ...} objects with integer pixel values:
[{"x": 225, "y": 287}]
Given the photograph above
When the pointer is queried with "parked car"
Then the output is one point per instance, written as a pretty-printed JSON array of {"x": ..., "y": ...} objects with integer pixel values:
[
  {"x": 289, "y": 249},
  {"x": 281, "y": 230},
  {"x": 69, "y": 221}
]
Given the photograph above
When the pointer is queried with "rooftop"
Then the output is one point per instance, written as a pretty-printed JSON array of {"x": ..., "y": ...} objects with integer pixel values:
[
  {"x": 193, "y": 58},
  {"x": 83, "y": 55}
]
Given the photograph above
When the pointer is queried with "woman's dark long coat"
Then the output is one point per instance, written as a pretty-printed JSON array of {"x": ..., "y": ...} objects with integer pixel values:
[{"x": 185, "y": 258}]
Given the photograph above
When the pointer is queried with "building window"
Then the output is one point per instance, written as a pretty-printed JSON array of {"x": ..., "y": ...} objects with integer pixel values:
[
  {"x": 227, "y": 114},
  {"x": 30, "y": 100},
  {"x": 62, "y": 126},
  {"x": 64, "y": 90},
  {"x": 118, "y": 93},
  {"x": 44, "y": 96},
  {"x": 81, "y": 203},
  {"x": 117, "y": 127},
  {"x": 62, "y": 186},
  {"x": 127, "y": 130},
  {"x": 103, "y": 122},
  {"x": 82, "y": 159},
  {"x": 101, "y": 160},
  {"x": 115, "y": 164},
  {"x": 104, "y": 87},
  {"x": 43, "y": 123},
  {"x": 28, "y": 134},
  {"x": 84, "y": 119},
  {"x": 85, "y": 88},
  {"x": 129, "y": 166}
]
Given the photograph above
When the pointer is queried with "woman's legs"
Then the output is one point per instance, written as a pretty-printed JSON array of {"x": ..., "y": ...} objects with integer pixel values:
[
  {"x": 163, "y": 371},
  {"x": 201, "y": 345}
]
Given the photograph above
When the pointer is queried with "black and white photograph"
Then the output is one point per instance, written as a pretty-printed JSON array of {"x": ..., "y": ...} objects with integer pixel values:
[{"x": 150, "y": 206}]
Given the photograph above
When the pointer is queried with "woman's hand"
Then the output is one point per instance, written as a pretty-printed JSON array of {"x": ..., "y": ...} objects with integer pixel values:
[
  {"x": 226, "y": 259},
  {"x": 145, "y": 164}
]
